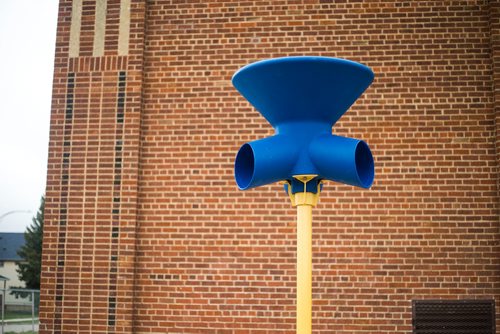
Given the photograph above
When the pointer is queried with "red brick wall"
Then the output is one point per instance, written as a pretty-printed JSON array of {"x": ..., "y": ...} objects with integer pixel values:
[{"x": 165, "y": 242}]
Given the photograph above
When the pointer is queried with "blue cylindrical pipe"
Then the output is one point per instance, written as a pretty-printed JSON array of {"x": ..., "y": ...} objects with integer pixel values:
[
  {"x": 265, "y": 161},
  {"x": 342, "y": 159}
]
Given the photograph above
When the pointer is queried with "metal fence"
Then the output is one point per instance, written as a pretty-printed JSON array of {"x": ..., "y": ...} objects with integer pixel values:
[{"x": 19, "y": 311}]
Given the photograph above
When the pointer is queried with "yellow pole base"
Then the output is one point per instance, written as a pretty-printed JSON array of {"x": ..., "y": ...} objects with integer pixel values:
[
  {"x": 304, "y": 201},
  {"x": 304, "y": 269}
]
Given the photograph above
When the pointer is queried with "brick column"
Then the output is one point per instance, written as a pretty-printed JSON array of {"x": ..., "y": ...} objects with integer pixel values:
[
  {"x": 90, "y": 221},
  {"x": 495, "y": 58}
]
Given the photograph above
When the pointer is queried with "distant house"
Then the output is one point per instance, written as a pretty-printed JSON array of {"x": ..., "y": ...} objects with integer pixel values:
[{"x": 10, "y": 243}]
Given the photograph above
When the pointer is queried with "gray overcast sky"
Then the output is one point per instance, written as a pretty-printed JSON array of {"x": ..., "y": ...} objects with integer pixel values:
[{"x": 27, "y": 45}]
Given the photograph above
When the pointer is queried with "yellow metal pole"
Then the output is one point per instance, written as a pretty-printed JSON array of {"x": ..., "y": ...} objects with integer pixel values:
[
  {"x": 304, "y": 269},
  {"x": 304, "y": 201}
]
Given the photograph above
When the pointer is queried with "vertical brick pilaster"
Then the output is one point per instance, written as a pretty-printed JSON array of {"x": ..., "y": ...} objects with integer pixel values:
[
  {"x": 495, "y": 58},
  {"x": 90, "y": 228}
]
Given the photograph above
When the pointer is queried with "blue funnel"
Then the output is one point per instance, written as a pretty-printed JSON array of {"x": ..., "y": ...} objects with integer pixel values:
[
  {"x": 302, "y": 98},
  {"x": 302, "y": 89}
]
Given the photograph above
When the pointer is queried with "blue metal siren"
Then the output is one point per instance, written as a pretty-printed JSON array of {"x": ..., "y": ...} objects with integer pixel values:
[{"x": 302, "y": 98}]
